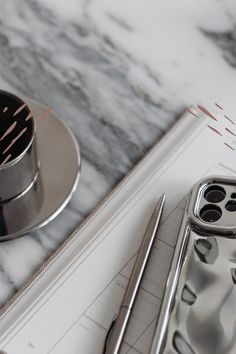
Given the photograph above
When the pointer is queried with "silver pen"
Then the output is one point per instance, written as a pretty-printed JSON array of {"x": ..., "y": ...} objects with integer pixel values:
[{"x": 118, "y": 327}]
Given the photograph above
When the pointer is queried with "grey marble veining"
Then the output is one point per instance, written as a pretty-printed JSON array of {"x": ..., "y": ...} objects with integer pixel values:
[
  {"x": 226, "y": 40},
  {"x": 117, "y": 86}
]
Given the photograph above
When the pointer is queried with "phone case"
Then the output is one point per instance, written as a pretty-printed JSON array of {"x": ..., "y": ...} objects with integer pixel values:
[{"x": 198, "y": 312}]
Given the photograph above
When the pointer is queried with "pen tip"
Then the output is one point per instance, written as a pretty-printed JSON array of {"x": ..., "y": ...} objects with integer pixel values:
[
  {"x": 156, "y": 216},
  {"x": 161, "y": 202},
  {"x": 163, "y": 196}
]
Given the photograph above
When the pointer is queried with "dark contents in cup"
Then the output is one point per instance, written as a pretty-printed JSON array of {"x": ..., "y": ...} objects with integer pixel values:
[{"x": 15, "y": 131}]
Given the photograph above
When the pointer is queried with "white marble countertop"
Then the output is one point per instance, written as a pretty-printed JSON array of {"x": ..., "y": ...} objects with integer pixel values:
[{"x": 119, "y": 73}]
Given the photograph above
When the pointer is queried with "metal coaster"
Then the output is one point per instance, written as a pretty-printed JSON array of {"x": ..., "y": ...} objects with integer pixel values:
[{"x": 53, "y": 184}]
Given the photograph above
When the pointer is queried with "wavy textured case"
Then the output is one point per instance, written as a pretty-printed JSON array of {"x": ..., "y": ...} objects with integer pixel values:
[{"x": 198, "y": 309}]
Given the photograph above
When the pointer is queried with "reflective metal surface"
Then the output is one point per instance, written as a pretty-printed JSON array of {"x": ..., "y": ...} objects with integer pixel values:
[
  {"x": 52, "y": 186},
  {"x": 198, "y": 309},
  {"x": 119, "y": 324},
  {"x": 17, "y": 143}
]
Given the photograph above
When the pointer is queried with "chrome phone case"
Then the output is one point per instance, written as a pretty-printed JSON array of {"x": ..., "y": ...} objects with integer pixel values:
[{"x": 198, "y": 312}]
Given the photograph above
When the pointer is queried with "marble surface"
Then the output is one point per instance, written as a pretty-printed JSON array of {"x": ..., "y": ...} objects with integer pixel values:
[{"x": 119, "y": 73}]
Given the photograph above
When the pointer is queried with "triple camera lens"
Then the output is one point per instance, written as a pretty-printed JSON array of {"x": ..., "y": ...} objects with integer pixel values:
[{"x": 212, "y": 212}]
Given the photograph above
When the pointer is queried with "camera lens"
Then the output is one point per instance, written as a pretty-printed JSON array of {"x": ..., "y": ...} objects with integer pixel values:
[
  {"x": 210, "y": 213},
  {"x": 231, "y": 205},
  {"x": 214, "y": 194}
]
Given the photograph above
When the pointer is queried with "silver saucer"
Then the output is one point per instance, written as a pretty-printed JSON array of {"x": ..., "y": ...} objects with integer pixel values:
[{"x": 59, "y": 158}]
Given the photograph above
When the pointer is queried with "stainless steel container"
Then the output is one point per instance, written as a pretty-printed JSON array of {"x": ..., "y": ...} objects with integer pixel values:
[
  {"x": 19, "y": 165},
  {"x": 39, "y": 166}
]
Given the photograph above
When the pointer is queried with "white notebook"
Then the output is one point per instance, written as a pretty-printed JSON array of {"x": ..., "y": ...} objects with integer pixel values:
[{"x": 68, "y": 305}]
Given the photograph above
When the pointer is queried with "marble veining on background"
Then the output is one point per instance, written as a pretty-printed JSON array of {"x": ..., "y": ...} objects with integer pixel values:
[{"x": 119, "y": 74}]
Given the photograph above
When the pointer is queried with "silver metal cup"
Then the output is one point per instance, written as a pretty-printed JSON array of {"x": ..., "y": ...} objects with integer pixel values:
[
  {"x": 19, "y": 164},
  {"x": 37, "y": 179}
]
